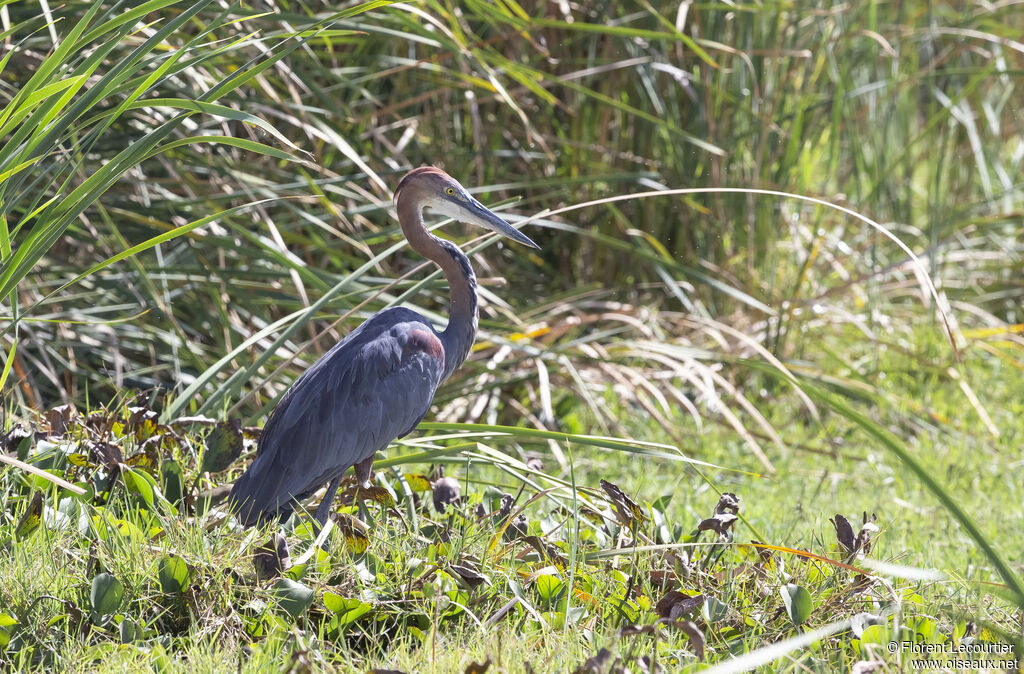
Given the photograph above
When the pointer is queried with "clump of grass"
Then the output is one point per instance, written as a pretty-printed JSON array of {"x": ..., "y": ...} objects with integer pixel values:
[{"x": 143, "y": 556}]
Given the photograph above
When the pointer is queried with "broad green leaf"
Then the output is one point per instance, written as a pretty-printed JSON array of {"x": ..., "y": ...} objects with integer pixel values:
[
  {"x": 714, "y": 610},
  {"x": 875, "y": 634},
  {"x": 549, "y": 587},
  {"x": 130, "y": 631},
  {"x": 109, "y": 528},
  {"x": 798, "y": 603},
  {"x": 348, "y": 609},
  {"x": 173, "y": 573},
  {"x": 292, "y": 596},
  {"x": 417, "y": 482},
  {"x": 173, "y": 481},
  {"x": 137, "y": 483},
  {"x": 106, "y": 594}
]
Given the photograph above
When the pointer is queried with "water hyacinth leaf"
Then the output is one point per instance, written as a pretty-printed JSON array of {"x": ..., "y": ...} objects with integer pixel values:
[
  {"x": 173, "y": 573},
  {"x": 925, "y": 629},
  {"x": 266, "y": 624},
  {"x": 292, "y": 596},
  {"x": 348, "y": 609},
  {"x": 43, "y": 483},
  {"x": 32, "y": 518},
  {"x": 130, "y": 631},
  {"x": 109, "y": 528},
  {"x": 549, "y": 587},
  {"x": 173, "y": 481},
  {"x": 875, "y": 634},
  {"x": 296, "y": 572},
  {"x": 144, "y": 460},
  {"x": 714, "y": 610},
  {"x": 627, "y": 609},
  {"x": 106, "y": 594},
  {"x": 137, "y": 483},
  {"x": 223, "y": 446},
  {"x": 798, "y": 603}
]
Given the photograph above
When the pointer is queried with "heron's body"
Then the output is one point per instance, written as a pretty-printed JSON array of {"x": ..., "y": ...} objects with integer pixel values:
[{"x": 377, "y": 383}]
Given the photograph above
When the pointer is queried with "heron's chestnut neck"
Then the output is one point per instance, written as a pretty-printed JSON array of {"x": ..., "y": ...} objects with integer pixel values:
[{"x": 458, "y": 336}]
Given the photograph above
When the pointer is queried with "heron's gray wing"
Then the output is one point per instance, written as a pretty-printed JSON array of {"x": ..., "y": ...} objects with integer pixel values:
[{"x": 371, "y": 388}]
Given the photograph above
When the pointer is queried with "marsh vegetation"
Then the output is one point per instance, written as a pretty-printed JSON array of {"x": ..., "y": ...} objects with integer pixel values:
[{"x": 755, "y": 403}]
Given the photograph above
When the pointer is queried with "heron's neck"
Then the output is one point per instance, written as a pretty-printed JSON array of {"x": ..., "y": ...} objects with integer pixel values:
[{"x": 458, "y": 337}]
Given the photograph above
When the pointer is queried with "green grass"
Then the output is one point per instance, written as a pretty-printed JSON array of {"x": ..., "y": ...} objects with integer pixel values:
[
  {"x": 779, "y": 239},
  {"x": 411, "y": 623}
]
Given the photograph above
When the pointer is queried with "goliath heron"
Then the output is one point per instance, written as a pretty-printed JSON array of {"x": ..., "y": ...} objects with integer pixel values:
[{"x": 377, "y": 383}]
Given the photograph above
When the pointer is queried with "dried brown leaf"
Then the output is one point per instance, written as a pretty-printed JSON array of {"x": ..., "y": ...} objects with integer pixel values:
[
  {"x": 844, "y": 533},
  {"x": 353, "y": 530},
  {"x": 358, "y": 493},
  {"x": 107, "y": 454},
  {"x": 548, "y": 553},
  {"x": 271, "y": 558},
  {"x": 601, "y": 663},
  {"x": 478, "y": 667},
  {"x": 695, "y": 634},
  {"x": 720, "y": 523},
  {"x": 626, "y": 509},
  {"x": 675, "y": 605},
  {"x": 468, "y": 575},
  {"x": 728, "y": 503},
  {"x": 61, "y": 419},
  {"x": 634, "y": 630},
  {"x": 446, "y": 492}
]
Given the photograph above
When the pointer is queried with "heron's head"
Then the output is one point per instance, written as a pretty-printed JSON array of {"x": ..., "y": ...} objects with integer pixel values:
[{"x": 437, "y": 190}]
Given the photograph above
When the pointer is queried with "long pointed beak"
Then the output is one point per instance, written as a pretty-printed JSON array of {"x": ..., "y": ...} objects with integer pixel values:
[{"x": 485, "y": 217}]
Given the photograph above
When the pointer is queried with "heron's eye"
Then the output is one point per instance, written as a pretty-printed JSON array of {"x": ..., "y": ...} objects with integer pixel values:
[{"x": 450, "y": 191}]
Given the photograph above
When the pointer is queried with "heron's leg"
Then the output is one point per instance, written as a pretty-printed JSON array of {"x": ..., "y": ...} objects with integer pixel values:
[
  {"x": 324, "y": 509},
  {"x": 362, "y": 471}
]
